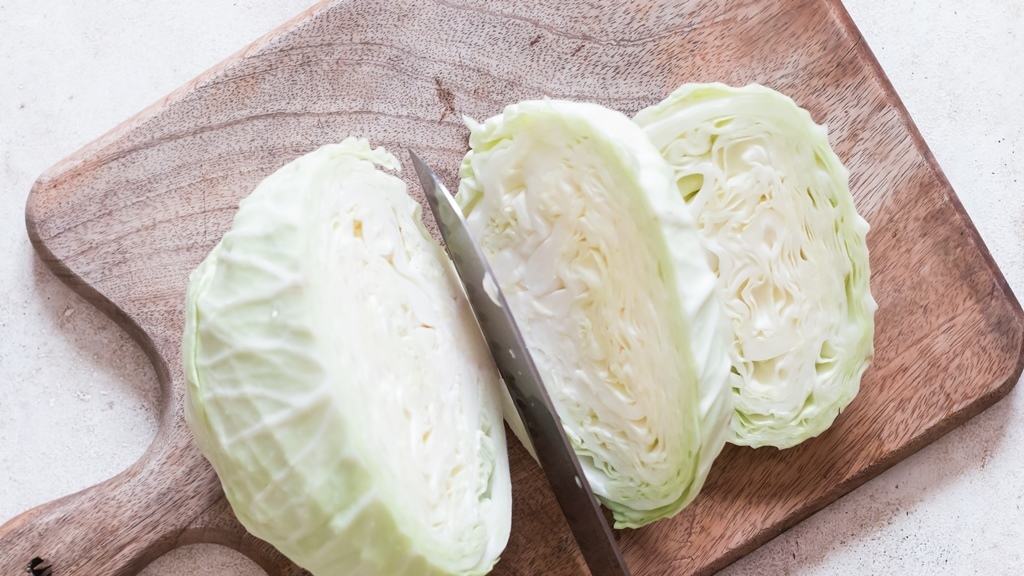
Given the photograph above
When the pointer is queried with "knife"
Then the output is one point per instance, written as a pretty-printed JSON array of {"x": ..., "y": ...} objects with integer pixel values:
[{"x": 557, "y": 459}]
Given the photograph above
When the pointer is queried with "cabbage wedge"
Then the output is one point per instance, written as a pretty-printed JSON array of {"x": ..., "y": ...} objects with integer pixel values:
[
  {"x": 337, "y": 380},
  {"x": 773, "y": 203},
  {"x": 604, "y": 272}
]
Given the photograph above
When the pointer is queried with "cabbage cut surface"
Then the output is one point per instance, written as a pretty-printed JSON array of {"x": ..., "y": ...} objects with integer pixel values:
[
  {"x": 337, "y": 380},
  {"x": 603, "y": 269},
  {"x": 773, "y": 203}
]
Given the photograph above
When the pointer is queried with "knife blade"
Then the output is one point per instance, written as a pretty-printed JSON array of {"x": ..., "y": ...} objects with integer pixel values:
[{"x": 515, "y": 364}]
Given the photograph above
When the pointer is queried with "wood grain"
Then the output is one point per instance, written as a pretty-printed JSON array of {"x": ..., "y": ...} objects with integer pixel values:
[{"x": 124, "y": 220}]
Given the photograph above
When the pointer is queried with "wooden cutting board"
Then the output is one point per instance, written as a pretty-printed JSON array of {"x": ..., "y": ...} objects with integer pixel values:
[{"x": 124, "y": 220}]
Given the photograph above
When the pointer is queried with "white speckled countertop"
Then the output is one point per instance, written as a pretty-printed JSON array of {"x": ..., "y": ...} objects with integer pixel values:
[{"x": 71, "y": 70}]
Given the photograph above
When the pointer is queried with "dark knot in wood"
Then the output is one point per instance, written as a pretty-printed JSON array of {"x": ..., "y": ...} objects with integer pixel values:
[{"x": 38, "y": 567}]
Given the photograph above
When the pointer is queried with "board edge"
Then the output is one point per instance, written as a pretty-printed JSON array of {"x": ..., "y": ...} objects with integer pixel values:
[
  {"x": 954, "y": 420},
  {"x": 36, "y": 214},
  {"x": 91, "y": 153},
  {"x": 865, "y": 53}
]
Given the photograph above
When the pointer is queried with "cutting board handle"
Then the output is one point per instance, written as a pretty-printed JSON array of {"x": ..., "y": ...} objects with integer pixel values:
[
  {"x": 113, "y": 528},
  {"x": 170, "y": 497}
]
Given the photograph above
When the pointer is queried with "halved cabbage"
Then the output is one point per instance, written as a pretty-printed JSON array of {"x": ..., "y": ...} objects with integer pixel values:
[
  {"x": 773, "y": 202},
  {"x": 338, "y": 382},
  {"x": 603, "y": 270}
]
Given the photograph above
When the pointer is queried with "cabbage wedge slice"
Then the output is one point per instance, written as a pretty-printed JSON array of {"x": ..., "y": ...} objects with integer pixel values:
[
  {"x": 773, "y": 203},
  {"x": 604, "y": 272},
  {"x": 337, "y": 380}
]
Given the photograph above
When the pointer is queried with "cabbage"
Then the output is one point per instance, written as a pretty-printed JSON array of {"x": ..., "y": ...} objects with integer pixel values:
[
  {"x": 773, "y": 203},
  {"x": 337, "y": 380},
  {"x": 603, "y": 270}
]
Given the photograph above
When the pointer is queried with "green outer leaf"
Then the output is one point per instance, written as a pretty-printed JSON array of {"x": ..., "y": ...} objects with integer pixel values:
[{"x": 338, "y": 383}]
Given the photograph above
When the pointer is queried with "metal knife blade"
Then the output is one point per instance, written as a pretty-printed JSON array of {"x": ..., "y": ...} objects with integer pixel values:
[{"x": 557, "y": 458}]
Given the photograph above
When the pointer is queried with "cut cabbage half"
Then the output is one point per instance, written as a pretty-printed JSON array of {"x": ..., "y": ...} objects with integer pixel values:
[
  {"x": 604, "y": 272},
  {"x": 337, "y": 380},
  {"x": 773, "y": 203}
]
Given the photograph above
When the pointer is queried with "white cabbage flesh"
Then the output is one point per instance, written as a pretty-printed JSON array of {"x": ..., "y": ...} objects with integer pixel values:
[
  {"x": 338, "y": 382},
  {"x": 604, "y": 272},
  {"x": 773, "y": 202}
]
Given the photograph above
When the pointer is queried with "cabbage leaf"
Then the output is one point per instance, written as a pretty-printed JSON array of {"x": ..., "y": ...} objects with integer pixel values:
[
  {"x": 338, "y": 382},
  {"x": 773, "y": 203},
  {"x": 603, "y": 270}
]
